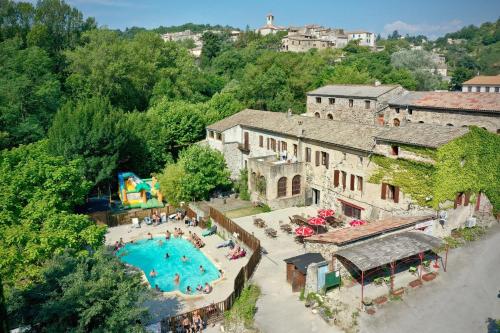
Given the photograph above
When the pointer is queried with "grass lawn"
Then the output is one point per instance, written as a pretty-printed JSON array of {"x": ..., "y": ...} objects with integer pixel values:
[{"x": 245, "y": 211}]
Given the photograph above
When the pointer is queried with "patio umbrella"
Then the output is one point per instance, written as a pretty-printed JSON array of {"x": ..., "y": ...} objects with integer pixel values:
[
  {"x": 316, "y": 221},
  {"x": 357, "y": 223},
  {"x": 304, "y": 231},
  {"x": 324, "y": 213}
]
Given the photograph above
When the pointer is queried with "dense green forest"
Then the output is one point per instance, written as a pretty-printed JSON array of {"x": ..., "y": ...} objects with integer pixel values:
[{"x": 79, "y": 103}]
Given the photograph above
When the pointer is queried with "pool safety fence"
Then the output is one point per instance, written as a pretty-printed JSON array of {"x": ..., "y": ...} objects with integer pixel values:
[{"x": 215, "y": 311}]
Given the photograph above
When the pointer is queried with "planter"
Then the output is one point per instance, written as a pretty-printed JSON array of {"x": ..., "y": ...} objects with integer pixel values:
[
  {"x": 415, "y": 283},
  {"x": 398, "y": 292},
  {"x": 380, "y": 300},
  {"x": 429, "y": 277}
]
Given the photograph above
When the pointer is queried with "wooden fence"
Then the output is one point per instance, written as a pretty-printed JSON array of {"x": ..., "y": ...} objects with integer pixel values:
[
  {"x": 115, "y": 219},
  {"x": 215, "y": 311}
]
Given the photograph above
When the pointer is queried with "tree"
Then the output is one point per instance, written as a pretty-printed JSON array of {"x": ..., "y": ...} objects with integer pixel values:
[
  {"x": 212, "y": 46},
  {"x": 29, "y": 93},
  {"x": 90, "y": 129},
  {"x": 196, "y": 174},
  {"x": 394, "y": 35},
  {"x": 85, "y": 294},
  {"x": 459, "y": 76},
  {"x": 38, "y": 192}
]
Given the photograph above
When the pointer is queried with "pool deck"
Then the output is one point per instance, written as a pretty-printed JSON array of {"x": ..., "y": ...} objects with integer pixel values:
[{"x": 171, "y": 303}]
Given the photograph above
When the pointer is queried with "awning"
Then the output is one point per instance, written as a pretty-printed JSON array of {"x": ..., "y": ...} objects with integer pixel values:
[
  {"x": 382, "y": 251},
  {"x": 350, "y": 204},
  {"x": 304, "y": 260}
]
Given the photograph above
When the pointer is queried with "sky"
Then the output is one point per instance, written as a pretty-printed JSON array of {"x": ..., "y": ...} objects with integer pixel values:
[{"x": 432, "y": 18}]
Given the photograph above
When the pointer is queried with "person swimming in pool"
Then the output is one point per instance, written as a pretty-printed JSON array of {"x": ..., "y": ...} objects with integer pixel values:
[
  {"x": 199, "y": 288},
  {"x": 188, "y": 290},
  {"x": 160, "y": 243},
  {"x": 202, "y": 270},
  {"x": 153, "y": 273},
  {"x": 167, "y": 255},
  {"x": 177, "y": 279},
  {"x": 184, "y": 259}
]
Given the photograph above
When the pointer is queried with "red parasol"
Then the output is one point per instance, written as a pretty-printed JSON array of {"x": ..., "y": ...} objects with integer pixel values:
[
  {"x": 304, "y": 231},
  {"x": 316, "y": 221},
  {"x": 357, "y": 223},
  {"x": 324, "y": 213}
]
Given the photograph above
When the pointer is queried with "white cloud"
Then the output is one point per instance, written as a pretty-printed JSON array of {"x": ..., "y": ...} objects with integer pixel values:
[{"x": 430, "y": 30}]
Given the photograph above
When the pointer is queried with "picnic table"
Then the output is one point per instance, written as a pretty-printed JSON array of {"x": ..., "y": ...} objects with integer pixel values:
[
  {"x": 297, "y": 219},
  {"x": 271, "y": 232},
  {"x": 286, "y": 228},
  {"x": 260, "y": 223}
]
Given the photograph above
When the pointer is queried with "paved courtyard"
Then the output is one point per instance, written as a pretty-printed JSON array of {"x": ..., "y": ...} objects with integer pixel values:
[
  {"x": 169, "y": 303},
  {"x": 280, "y": 310},
  {"x": 465, "y": 299}
]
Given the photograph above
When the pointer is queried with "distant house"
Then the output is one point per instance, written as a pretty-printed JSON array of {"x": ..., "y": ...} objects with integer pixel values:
[
  {"x": 365, "y": 38},
  {"x": 269, "y": 28},
  {"x": 482, "y": 83},
  {"x": 313, "y": 36}
]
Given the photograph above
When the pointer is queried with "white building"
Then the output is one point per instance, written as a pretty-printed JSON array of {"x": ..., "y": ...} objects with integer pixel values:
[
  {"x": 269, "y": 28},
  {"x": 482, "y": 83},
  {"x": 365, "y": 38}
]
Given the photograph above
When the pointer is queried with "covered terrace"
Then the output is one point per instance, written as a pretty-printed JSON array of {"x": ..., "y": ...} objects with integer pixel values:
[{"x": 367, "y": 259}]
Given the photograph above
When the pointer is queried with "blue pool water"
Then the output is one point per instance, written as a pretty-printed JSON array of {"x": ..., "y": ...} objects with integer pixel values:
[{"x": 148, "y": 254}]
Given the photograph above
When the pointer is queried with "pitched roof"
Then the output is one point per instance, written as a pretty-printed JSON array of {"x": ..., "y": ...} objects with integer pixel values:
[
  {"x": 379, "y": 252},
  {"x": 351, "y": 234},
  {"x": 304, "y": 260},
  {"x": 345, "y": 134},
  {"x": 353, "y": 90},
  {"x": 340, "y": 133},
  {"x": 425, "y": 135},
  {"x": 484, "y": 80},
  {"x": 448, "y": 100}
]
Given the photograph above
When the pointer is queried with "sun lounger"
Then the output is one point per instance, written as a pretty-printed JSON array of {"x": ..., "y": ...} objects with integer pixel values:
[
  {"x": 211, "y": 231},
  {"x": 135, "y": 222},
  {"x": 227, "y": 243},
  {"x": 148, "y": 220},
  {"x": 163, "y": 217}
]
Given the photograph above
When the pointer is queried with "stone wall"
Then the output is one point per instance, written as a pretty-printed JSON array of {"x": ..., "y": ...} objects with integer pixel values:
[{"x": 489, "y": 121}]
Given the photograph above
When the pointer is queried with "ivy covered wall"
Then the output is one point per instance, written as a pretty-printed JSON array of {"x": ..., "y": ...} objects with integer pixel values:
[{"x": 470, "y": 163}]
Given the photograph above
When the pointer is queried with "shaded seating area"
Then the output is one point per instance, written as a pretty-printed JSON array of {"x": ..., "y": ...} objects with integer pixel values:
[
  {"x": 388, "y": 253},
  {"x": 270, "y": 232}
]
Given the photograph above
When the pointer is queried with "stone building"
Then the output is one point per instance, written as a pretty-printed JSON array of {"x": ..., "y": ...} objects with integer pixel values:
[
  {"x": 269, "y": 28},
  {"x": 302, "y": 39},
  {"x": 457, "y": 109},
  {"x": 359, "y": 103},
  {"x": 365, "y": 38},
  {"x": 482, "y": 83},
  {"x": 304, "y": 43}
]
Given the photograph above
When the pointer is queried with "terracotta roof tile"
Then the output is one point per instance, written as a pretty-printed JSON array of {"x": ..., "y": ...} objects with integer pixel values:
[{"x": 484, "y": 80}]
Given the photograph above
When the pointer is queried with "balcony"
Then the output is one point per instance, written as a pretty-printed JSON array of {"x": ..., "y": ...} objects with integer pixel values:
[
  {"x": 245, "y": 148},
  {"x": 271, "y": 167}
]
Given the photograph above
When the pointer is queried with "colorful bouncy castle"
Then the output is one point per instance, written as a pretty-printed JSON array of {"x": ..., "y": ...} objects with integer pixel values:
[{"x": 135, "y": 192}]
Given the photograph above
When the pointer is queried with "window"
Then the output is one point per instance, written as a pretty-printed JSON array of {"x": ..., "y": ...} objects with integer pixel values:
[
  {"x": 219, "y": 136},
  {"x": 331, "y": 101},
  {"x": 478, "y": 89},
  {"x": 395, "y": 150},
  {"x": 410, "y": 111},
  {"x": 469, "y": 89},
  {"x": 367, "y": 104},
  {"x": 273, "y": 144},
  {"x": 351, "y": 211},
  {"x": 353, "y": 180},
  {"x": 330, "y": 116},
  {"x": 336, "y": 175},
  {"x": 261, "y": 141},
  {"x": 284, "y": 146},
  {"x": 497, "y": 89},
  {"x": 296, "y": 185},
  {"x": 487, "y": 89},
  {"x": 317, "y": 157},
  {"x": 351, "y": 103},
  {"x": 282, "y": 187},
  {"x": 389, "y": 192},
  {"x": 318, "y": 100},
  {"x": 246, "y": 140},
  {"x": 295, "y": 148},
  {"x": 324, "y": 159},
  {"x": 397, "y": 110},
  {"x": 308, "y": 154},
  {"x": 359, "y": 183},
  {"x": 396, "y": 122},
  {"x": 211, "y": 134},
  {"x": 268, "y": 143},
  {"x": 344, "y": 180},
  {"x": 317, "y": 115}
]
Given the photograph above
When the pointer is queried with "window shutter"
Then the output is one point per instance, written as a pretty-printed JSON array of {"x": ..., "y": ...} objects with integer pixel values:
[
  {"x": 317, "y": 158},
  {"x": 360, "y": 183},
  {"x": 344, "y": 180},
  {"x": 352, "y": 183},
  {"x": 278, "y": 144},
  {"x": 267, "y": 143},
  {"x": 467, "y": 199},
  {"x": 396, "y": 194},
  {"x": 326, "y": 160},
  {"x": 336, "y": 174},
  {"x": 384, "y": 191}
]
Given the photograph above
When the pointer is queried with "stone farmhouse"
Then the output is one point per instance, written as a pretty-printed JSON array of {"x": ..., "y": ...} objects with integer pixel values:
[{"x": 323, "y": 158}]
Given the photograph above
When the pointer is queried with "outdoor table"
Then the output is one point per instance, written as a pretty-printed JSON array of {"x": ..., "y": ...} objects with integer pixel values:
[
  {"x": 271, "y": 232},
  {"x": 259, "y": 222},
  {"x": 299, "y": 219}
]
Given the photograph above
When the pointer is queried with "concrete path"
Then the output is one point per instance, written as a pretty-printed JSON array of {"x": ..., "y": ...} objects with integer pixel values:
[
  {"x": 279, "y": 310},
  {"x": 465, "y": 299}
]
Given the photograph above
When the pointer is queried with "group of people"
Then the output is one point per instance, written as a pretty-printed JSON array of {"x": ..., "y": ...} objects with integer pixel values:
[
  {"x": 205, "y": 290},
  {"x": 235, "y": 253},
  {"x": 195, "y": 240},
  {"x": 196, "y": 325},
  {"x": 118, "y": 245}
]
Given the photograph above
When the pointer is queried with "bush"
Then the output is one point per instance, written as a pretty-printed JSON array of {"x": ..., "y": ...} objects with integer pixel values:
[{"x": 244, "y": 308}]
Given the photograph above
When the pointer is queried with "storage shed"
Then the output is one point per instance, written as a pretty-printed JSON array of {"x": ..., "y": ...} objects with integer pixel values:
[{"x": 296, "y": 269}]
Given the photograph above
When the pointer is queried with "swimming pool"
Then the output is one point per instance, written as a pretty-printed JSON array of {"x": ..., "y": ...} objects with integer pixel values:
[{"x": 150, "y": 254}]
